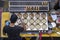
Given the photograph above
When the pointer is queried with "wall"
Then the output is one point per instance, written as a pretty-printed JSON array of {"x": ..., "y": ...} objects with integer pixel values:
[{"x": 5, "y": 16}]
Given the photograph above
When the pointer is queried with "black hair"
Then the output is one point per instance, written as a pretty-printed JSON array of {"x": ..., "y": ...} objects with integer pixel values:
[{"x": 13, "y": 18}]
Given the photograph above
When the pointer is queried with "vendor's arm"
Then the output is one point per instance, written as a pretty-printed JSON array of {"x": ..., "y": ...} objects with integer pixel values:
[{"x": 50, "y": 19}]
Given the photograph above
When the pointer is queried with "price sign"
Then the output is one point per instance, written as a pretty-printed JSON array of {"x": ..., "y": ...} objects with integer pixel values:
[{"x": 30, "y": 8}]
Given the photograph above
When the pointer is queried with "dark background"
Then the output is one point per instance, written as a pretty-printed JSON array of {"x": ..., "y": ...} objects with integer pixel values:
[{"x": 1, "y": 3}]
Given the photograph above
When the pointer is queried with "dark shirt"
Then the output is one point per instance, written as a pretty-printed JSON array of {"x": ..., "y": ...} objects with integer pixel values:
[{"x": 13, "y": 32}]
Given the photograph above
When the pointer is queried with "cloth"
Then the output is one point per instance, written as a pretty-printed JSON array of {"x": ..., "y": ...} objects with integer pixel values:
[
  {"x": 53, "y": 24},
  {"x": 54, "y": 17}
]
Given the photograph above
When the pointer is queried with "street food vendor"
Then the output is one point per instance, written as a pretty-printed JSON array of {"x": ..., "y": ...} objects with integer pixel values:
[{"x": 13, "y": 31}]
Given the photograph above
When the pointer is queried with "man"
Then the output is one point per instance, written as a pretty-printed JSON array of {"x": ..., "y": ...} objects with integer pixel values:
[{"x": 13, "y": 30}]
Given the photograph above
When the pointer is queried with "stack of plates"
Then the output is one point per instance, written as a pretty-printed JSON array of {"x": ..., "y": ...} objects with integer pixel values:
[
  {"x": 44, "y": 27},
  {"x": 38, "y": 26},
  {"x": 37, "y": 15},
  {"x": 25, "y": 21},
  {"x": 31, "y": 20},
  {"x": 35, "y": 21},
  {"x": 31, "y": 15},
  {"x": 43, "y": 15},
  {"x": 43, "y": 20},
  {"x": 20, "y": 15},
  {"x": 32, "y": 27},
  {"x": 38, "y": 21},
  {"x": 25, "y": 15}
]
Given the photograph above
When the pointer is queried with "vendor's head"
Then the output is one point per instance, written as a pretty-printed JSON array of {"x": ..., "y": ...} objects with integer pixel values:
[{"x": 13, "y": 18}]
